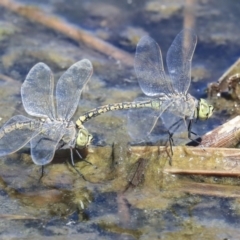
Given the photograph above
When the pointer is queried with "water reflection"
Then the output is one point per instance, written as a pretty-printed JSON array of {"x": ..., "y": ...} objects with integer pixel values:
[{"x": 65, "y": 205}]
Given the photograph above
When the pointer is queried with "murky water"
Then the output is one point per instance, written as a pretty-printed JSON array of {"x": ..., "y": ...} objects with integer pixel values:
[{"x": 113, "y": 202}]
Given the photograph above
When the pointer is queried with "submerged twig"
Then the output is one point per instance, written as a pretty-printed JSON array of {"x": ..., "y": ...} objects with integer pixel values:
[
  {"x": 8, "y": 79},
  {"x": 17, "y": 217},
  {"x": 137, "y": 174},
  {"x": 199, "y": 161},
  {"x": 34, "y": 14}
]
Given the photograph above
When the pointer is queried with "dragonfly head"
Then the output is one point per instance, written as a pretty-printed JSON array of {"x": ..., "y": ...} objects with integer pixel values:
[
  {"x": 84, "y": 138},
  {"x": 204, "y": 110}
]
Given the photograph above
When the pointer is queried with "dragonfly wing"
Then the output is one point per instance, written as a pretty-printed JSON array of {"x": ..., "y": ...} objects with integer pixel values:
[
  {"x": 44, "y": 145},
  {"x": 179, "y": 59},
  {"x": 144, "y": 124},
  {"x": 140, "y": 122},
  {"x": 69, "y": 88},
  {"x": 13, "y": 138},
  {"x": 37, "y": 91},
  {"x": 149, "y": 68},
  {"x": 173, "y": 123}
]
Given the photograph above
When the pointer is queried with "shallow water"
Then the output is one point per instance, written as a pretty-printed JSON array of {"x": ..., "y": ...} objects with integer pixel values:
[{"x": 63, "y": 204}]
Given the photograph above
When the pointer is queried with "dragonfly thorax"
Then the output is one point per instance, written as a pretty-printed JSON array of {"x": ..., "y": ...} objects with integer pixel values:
[
  {"x": 69, "y": 137},
  {"x": 183, "y": 105}
]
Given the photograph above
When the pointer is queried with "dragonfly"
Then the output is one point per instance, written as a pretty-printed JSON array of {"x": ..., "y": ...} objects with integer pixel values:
[
  {"x": 176, "y": 105},
  {"x": 166, "y": 94},
  {"x": 51, "y": 129}
]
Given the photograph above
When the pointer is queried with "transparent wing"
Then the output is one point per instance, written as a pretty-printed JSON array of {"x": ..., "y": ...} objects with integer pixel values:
[
  {"x": 69, "y": 88},
  {"x": 37, "y": 92},
  {"x": 179, "y": 59},
  {"x": 13, "y": 138},
  {"x": 149, "y": 68},
  {"x": 44, "y": 145},
  {"x": 144, "y": 124}
]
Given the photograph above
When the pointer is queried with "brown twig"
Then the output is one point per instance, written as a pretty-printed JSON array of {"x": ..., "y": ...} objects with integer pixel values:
[
  {"x": 226, "y": 135},
  {"x": 36, "y": 15},
  {"x": 8, "y": 79}
]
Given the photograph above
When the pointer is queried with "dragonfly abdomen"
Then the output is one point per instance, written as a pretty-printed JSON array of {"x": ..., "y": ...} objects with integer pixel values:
[
  {"x": 32, "y": 125},
  {"x": 117, "y": 106}
]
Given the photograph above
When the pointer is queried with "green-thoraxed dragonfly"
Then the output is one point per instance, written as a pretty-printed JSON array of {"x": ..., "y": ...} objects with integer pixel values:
[{"x": 51, "y": 129}]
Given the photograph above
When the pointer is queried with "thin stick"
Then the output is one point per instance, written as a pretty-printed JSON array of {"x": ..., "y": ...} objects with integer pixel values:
[
  {"x": 36, "y": 15},
  {"x": 42, "y": 173},
  {"x": 226, "y": 135},
  {"x": 8, "y": 79}
]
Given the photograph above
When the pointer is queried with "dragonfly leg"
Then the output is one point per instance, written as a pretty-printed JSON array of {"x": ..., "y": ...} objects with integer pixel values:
[
  {"x": 171, "y": 143},
  {"x": 191, "y": 132},
  {"x": 80, "y": 156},
  {"x": 72, "y": 161},
  {"x": 73, "y": 165}
]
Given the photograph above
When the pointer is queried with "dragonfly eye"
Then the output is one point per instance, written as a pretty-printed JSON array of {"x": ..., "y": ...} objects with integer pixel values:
[
  {"x": 84, "y": 138},
  {"x": 205, "y": 110}
]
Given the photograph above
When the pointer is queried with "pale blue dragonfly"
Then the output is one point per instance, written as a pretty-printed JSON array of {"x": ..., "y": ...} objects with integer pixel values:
[
  {"x": 51, "y": 129},
  {"x": 172, "y": 104}
]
